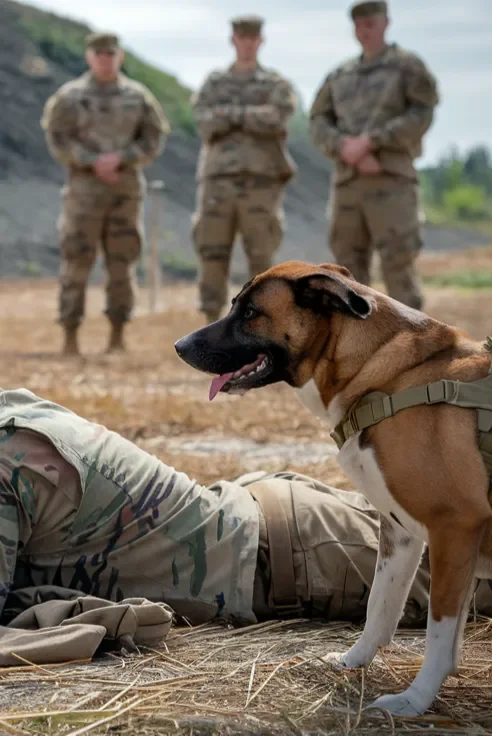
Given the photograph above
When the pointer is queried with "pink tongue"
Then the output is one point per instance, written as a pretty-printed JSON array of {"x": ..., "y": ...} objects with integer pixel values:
[{"x": 218, "y": 383}]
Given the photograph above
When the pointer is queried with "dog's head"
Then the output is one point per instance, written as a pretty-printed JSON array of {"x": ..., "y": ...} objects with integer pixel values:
[{"x": 278, "y": 327}]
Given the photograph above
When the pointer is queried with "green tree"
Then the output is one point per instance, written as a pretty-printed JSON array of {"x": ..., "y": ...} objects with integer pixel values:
[{"x": 466, "y": 202}]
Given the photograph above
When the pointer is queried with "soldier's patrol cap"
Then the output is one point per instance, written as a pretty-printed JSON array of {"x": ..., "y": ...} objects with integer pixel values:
[
  {"x": 360, "y": 10},
  {"x": 102, "y": 41},
  {"x": 247, "y": 25}
]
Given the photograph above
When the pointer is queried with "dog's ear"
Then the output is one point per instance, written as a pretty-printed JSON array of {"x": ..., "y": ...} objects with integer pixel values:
[
  {"x": 339, "y": 269},
  {"x": 326, "y": 294}
]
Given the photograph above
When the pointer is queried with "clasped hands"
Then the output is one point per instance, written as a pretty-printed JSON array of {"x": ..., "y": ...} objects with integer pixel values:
[
  {"x": 106, "y": 167},
  {"x": 356, "y": 152}
]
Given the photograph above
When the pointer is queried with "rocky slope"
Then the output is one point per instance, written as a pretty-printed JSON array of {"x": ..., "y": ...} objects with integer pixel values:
[{"x": 38, "y": 53}]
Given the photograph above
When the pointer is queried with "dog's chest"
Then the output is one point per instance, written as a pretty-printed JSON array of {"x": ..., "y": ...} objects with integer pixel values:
[
  {"x": 310, "y": 397},
  {"x": 360, "y": 465},
  {"x": 362, "y": 468}
]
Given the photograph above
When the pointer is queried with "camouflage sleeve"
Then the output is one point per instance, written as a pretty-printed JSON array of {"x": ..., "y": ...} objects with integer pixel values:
[
  {"x": 9, "y": 539},
  {"x": 214, "y": 120},
  {"x": 271, "y": 118},
  {"x": 324, "y": 132},
  {"x": 151, "y": 137},
  {"x": 59, "y": 124},
  {"x": 406, "y": 130}
]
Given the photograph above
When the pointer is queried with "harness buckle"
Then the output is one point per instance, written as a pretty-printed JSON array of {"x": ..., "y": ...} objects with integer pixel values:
[
  {"x": 351, "y": 425},
  {"x": 388, "y": 406},
  {"x": 338, "y": 436},
  {"x": 436, "y": 392},
  {"x": 442, "y": 391}
]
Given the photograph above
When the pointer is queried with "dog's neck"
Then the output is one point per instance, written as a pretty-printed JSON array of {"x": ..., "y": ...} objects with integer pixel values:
[{"x": 358, "y": 360}]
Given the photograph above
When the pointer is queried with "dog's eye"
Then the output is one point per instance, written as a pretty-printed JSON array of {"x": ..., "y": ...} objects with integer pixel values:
[{"x": 250, "y": 313}]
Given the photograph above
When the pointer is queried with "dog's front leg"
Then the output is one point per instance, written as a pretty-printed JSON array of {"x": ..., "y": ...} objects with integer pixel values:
[
  {"x": 453, "y": 554},
  {"x": 398, "y": 558}
]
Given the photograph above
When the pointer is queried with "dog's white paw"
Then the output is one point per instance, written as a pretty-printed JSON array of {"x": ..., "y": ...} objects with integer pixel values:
[
  {"x": 342, "y": 661},
  {"x": 335, "y": 660},
  {"x": 407, "y": 704},
  {"x": 358, "y": 657}
]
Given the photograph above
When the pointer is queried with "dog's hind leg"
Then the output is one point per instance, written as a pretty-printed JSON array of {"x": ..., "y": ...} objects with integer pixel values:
[
  {"x": 453, "y": 553},
  {"x": 398, "y": 559}
]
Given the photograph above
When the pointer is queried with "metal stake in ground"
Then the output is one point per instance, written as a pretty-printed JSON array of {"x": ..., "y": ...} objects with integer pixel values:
[{"x": 156, "y": 187}]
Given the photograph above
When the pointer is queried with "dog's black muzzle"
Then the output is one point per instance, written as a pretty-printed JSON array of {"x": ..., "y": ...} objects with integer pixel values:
[{"x": 217, "y": 349}]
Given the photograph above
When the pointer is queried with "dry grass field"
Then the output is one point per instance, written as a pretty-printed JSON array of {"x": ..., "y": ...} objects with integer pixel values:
[{"x": 266, "y": 680}]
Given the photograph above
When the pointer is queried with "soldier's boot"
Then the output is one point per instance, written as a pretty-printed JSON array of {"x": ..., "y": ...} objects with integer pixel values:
[
  {"x": 71, "y": 344},
  {"x": 116, "y": 343}
]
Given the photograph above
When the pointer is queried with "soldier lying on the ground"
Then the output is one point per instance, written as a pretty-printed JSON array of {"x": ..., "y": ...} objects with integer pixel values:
[{"x": 84, "y": 511}]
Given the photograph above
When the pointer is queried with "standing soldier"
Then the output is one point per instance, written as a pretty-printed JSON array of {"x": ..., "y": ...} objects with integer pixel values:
[
  {"x": 370, "y": 116},
  {"x": 244, "y": 165},
  {"x": 104, "y": 127}
]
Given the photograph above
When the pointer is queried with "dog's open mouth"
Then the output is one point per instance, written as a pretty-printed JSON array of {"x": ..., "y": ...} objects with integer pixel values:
[{"x": 250, "y": 376}]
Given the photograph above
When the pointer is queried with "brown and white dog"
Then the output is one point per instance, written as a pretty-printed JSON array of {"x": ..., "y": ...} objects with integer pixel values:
[{"x": 335, "y": 340}]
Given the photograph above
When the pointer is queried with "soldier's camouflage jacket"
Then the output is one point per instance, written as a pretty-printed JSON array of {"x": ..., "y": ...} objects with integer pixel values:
[
  {"x": 242, "y": 120},
  {"x": 140, "y": 524},
  {"x": 84, "y": 119},
  {"x": 391, "y": 98}
]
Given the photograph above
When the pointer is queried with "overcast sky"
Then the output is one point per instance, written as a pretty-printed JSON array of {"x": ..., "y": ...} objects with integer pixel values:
[{"x": 307, "y": 38}]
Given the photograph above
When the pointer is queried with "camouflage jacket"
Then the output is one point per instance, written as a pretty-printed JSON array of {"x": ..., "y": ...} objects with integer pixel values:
[
  {"x": 242, "y": 120},
  {"x": 193, "y": 547},
  {"x": 391, "y": 98},
  {"x": 84, "y": 119}
]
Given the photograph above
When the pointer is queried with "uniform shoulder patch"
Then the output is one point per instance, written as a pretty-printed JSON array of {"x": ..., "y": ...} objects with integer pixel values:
[
  {"x": 72, "y": 88},
  {"x": 132, "y": 84},
  {"x": 216, "y": 75},
  {"x": 272, "y": 73},
  {"x": 405, "y": 56},
  {"x": 346, "y": 67},
  {"x": 61, "y": 101}
]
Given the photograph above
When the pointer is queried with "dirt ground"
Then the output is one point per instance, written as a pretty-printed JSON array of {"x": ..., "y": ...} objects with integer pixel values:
[{"x": 154, "y": 399}]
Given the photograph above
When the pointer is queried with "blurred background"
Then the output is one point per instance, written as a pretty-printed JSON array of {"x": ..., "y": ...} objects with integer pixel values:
[
  {"x": 172, "y": 47},
  {"x": 148, "y": 394}
]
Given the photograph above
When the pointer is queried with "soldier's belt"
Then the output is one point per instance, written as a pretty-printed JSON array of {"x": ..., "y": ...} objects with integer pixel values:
[{"x": 283, "y": 596}]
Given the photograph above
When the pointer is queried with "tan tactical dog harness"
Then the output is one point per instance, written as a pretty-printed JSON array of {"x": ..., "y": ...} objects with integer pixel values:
[{"x": 376, "y": 406}]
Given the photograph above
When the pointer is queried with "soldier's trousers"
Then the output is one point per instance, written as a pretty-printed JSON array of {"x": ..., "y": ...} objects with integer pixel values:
[
  {"x": 250, "y": 205},
  {"x": 98, "y": 215},
  {"x": 329, "y": 542},
  {"x": 329, "y": 539},
  {"x": 378, "y": 213}
]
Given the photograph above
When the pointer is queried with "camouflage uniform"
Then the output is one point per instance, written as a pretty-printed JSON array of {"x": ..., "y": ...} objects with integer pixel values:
[
  {"x": 242, "y": 171},
  {"x": 81, "y": 508},
  {"x": 82, "y": 120},
  {"x": 391, "y": 98}
]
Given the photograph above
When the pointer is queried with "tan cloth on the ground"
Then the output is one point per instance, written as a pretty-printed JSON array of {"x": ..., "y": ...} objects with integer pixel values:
[{"x": 57, "y": 630}]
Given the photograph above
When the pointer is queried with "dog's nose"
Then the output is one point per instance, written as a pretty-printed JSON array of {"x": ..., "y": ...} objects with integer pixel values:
[
  {"x": 186, "y": 346},
  {"x": 180, "y": 346}
]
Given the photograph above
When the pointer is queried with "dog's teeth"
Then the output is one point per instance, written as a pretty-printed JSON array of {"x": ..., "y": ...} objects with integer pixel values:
[{"x": 243, "y": 373}]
